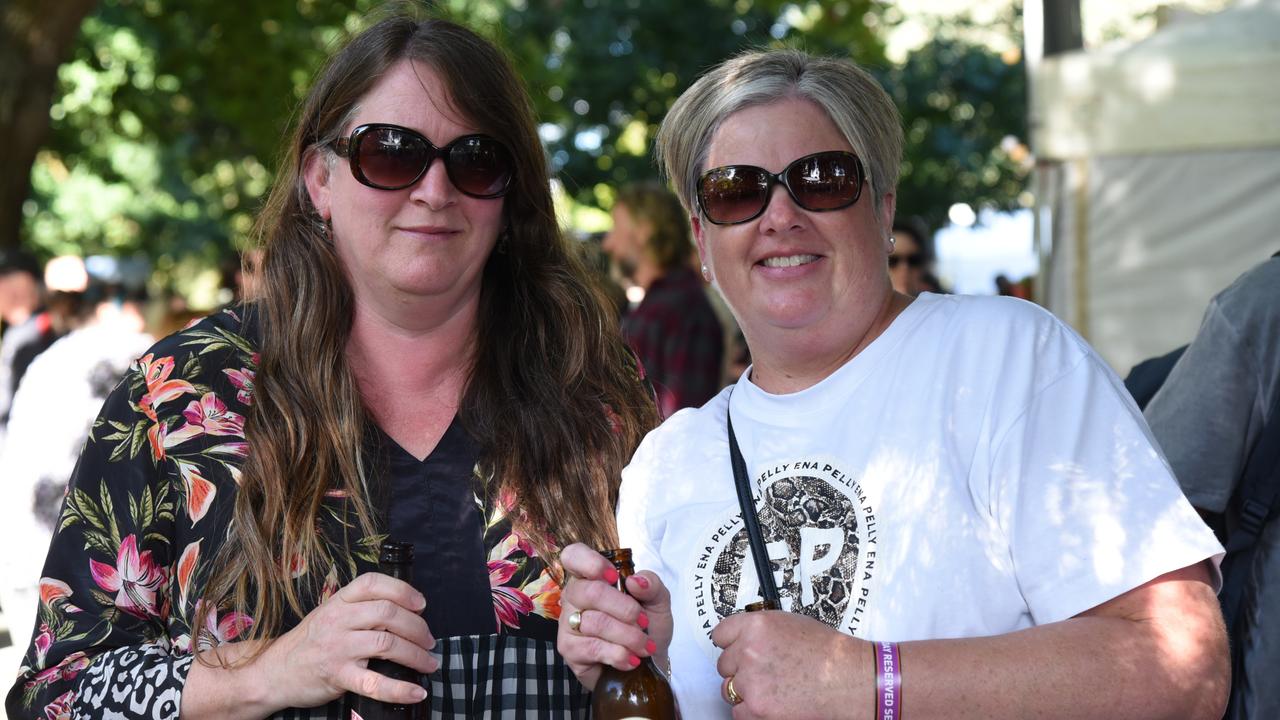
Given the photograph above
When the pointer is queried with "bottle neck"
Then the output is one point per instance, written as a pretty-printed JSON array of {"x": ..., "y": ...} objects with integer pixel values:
[{"x": 625, "y": 570}]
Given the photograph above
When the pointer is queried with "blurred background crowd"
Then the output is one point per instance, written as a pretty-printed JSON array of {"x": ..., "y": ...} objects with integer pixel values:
[{"x": 1114, "y": 160}]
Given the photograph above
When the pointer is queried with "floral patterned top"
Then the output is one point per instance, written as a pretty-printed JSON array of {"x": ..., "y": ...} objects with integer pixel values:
[{"x": 147, "y": 509}]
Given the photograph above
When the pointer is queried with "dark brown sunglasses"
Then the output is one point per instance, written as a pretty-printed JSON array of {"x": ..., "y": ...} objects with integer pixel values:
[
  {"x": 390, "y": 157},
  {"x": 820, "y": 182}
]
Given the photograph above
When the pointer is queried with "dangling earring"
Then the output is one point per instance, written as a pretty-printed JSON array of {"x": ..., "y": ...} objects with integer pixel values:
[
  {"x": 892, "y": 241},
  {"x": 706, "y": 274}
]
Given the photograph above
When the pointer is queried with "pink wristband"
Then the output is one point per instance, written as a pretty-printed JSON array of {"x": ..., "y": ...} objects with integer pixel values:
[{"x": 888, "y": 681}]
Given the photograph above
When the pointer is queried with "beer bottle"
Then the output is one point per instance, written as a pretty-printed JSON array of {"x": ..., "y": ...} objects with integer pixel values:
[
  {"x": 396, "y": 560},
  {"x": 642, "y": 693}
]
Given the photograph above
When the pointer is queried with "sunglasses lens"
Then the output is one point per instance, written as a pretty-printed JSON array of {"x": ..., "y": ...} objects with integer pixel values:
[
  {"x": 733, "y": 194},
  {"x": 825, "y": 181},
  {"x": 391, "y": 158},
  {"x": 480, "y": 166}
]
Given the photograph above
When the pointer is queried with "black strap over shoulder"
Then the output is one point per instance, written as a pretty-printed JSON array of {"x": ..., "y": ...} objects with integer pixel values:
[
  {"x": 1256, "y": 501},
  {"x": 746, "y": 501}
]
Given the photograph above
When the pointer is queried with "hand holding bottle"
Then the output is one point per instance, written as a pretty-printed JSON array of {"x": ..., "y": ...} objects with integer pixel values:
[
  {"x": 612, "y": 625},
  {"x": 328, "y": 653}
]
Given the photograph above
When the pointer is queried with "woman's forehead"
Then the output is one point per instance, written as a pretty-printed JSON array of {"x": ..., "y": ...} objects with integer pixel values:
[{"x": 773, "y": 134}]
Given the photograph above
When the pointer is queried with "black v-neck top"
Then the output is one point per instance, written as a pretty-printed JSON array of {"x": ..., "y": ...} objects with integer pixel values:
[{"x": 434, "y": 503}]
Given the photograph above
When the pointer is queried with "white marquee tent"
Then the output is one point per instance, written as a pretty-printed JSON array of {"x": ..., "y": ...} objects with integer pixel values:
[{"x": 1158, "y": 179}]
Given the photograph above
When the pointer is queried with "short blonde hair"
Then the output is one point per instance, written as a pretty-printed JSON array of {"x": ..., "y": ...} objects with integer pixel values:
[{"x": 861, "y": 110}]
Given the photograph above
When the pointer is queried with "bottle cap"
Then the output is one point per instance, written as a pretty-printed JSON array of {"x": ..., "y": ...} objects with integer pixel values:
[
  {"x": 396, "y": 552},
  {"x": 617, "y": 555}
]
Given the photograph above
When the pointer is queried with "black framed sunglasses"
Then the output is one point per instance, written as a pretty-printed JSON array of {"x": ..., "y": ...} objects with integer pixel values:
[
  {"x": 390, "y": 157},
  {"x": 820, "y": 182},
  {"x": 914, "y": 260}
]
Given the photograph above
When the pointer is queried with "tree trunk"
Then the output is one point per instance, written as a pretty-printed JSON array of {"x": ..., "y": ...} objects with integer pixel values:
[
  {"x": 1062, "y": 30},
  {"x": 35, "y": 37}
]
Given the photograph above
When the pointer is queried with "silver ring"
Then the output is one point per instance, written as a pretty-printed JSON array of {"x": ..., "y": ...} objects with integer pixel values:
[{"x": 575, "y": 620}]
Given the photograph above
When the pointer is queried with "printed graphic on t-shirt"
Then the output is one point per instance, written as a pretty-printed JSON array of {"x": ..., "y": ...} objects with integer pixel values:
[{"x": 819, "y": 530}]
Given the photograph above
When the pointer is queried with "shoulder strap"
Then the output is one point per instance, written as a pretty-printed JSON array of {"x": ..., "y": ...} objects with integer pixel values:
[
  {"x": 1257, "y": 500},
  {"x": 746, "y": 501}
]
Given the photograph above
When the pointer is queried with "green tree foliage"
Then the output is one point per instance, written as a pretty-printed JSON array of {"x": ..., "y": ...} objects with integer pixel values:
[
  {"x": 603, "y": 73},
  {"x": 167, "y": 121},
  {"x": 964, "y": 111},
  {"x": 168, "y": 118}
]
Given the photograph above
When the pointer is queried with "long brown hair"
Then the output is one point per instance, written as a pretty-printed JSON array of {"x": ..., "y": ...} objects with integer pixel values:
[{"x": 554, "y": 398}]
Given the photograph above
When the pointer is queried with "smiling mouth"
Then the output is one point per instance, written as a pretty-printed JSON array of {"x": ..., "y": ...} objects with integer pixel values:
[{"x": 788, "y": 261}]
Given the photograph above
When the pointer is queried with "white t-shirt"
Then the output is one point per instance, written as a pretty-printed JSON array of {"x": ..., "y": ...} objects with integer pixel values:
[{"x": 975, "y": 470}]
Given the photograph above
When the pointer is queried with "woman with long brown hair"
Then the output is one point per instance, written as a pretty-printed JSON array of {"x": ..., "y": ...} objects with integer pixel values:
[{"x": 427, "y": 363}]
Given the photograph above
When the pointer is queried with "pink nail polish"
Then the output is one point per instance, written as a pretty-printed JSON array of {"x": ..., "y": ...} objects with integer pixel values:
[
  {"x": 643, "y": 621},
  {"x": 611, "y": 576},
  {"x": 635, "y": 661},
  {"x": 651, "y": 647},
  {"x": 642, "y": 581}
]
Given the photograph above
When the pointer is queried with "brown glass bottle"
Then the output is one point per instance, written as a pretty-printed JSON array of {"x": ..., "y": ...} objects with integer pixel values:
[
  {"x": 396, "y": 560},
  {"x": 759, "y": 605},
  {"x": 642, "y": 693}
]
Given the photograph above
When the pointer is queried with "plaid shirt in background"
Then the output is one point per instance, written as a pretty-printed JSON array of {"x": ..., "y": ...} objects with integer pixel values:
[{"x": 679, "y": 341}]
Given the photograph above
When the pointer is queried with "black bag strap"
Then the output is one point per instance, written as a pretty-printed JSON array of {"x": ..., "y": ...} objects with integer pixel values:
[
  {"x": 1257, "y": 500},
  {"x": 746, "y": 501}
]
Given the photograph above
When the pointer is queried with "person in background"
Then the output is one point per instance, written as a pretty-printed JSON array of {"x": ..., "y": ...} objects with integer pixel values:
[
  {"x": 601, "y": 270},
  {"x": 1209, "y": 416},
  {"x": 23, "y": 324},
  {"x": 53, "y": 411},
  {"x": 241, "y": 277},
  {"x": 426, "y": 362},
  {"x": 956, "y": 498},
  {"x": 20, "y": 288},
  {"x": 1006, "y": 287},
  {"x": 910, "y": 259},
  {"x": 674, "y": 330}
]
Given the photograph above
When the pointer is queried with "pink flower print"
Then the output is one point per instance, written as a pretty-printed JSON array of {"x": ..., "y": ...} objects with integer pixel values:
[
  {"x": 243, "y": 380},
  {"x": 187, "y": 565},
  {"x": 330, "y": 584},
  {"x": 161, "y": 439},
  {"x": 233, "y": 449},
  {"x": 216, "y": 632},
  {"x": 614, "y": 420},
  {"x": 511, "y": 544},
  {"x": 212, "y": 417},
  {"x": 199, "y": 491},
  {"x": 43, "y": 641},
  {"x": 506, "y": 500},
  {"x": 60, "y": 708},
  {"x": 53, "y": 590},
  {"x": 70, "y": 667},
  {"x": 508, "y": 603},
  {"x": 135, "y": 579},
  {"x": 545, "y": 595},
  {"x": 160, "y": 388},
  {"x": 297, "y": 565}
]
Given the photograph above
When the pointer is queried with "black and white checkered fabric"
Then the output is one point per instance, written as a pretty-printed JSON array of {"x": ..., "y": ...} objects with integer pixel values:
[{"x": 504, "y": 677}]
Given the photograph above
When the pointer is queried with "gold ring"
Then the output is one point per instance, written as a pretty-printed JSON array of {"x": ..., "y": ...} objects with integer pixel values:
[
  {"x": 575, "y": 620},
  {"x": 734, "y": 697}
]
